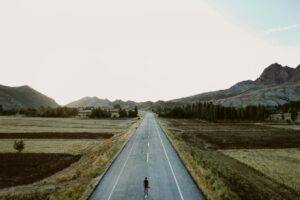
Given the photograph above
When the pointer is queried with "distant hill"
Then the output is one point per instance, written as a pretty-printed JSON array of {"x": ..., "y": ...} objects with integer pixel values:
[
  {"x": 22, "y": 97},
  {"x": 90, "y": 102},
  {"x": 276, "y": 85},
  {"x": 104, "y": 103}
]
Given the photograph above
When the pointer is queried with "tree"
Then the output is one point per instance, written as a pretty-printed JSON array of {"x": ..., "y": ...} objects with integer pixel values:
[
  {"x": 117, "y": 106},
  {"x": 19, "y": 145},
  {"x": 282, "y": 116},
  {"x": 131, "y": 113},
  {"x": 294, "y": 114},
  {"x": 136, "y": 111},
  {"x": 1, "y": 109},
  {"x": 122, "y": 113},
  {"x": 100, "y": 113}
]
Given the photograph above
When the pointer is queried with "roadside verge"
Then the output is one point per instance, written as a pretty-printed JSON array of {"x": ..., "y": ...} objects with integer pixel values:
[
  {"x": 96, "y": 181},
  {"x": 198, "y": 174}
]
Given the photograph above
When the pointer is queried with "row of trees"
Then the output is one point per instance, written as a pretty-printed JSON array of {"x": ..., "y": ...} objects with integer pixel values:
[
  {"x": 41, "y": 112},
  {"x": 67, "y": 112},
  {"x": 49, "y": 112},
  {"x": 210, "y": 112},
  {"x": 107, "y": 113},
  {"x": 130, "y": 113},
  {"x": 100, "y": 113},
  {"x": 8, "y": 111}
]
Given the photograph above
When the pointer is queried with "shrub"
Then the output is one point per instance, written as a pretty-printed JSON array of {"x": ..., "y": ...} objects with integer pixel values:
[{"x": 19, "y": 145}]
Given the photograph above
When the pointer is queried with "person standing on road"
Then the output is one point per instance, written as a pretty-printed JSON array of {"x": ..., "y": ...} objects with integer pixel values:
[{"x": 146, "y": 186}]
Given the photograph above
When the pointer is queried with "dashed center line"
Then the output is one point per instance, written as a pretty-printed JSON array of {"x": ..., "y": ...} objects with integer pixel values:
[{"x": 147, "y": 157}]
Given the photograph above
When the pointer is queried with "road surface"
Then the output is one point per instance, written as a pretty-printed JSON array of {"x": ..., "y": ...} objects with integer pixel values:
[{"x": 148, "y": 153}]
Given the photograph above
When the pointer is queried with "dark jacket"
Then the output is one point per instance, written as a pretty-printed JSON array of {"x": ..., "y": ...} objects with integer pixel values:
[{"x": 146, "y": 183}]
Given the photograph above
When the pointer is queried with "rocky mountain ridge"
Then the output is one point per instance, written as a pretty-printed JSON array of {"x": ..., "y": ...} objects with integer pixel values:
[{"x": 276, "y": 85}]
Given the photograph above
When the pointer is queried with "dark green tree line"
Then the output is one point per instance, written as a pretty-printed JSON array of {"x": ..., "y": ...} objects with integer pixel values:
[{"x": 210, "y": 112}]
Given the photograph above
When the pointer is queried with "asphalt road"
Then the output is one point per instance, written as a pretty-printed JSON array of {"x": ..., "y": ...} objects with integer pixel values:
[{"x": 148, "y": 153}]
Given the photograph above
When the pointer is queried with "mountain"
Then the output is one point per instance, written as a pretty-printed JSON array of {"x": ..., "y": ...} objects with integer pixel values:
[
  {"x": 276, "y": 74},
  {"x": 276, "y": 85},
  {"x": 90, "y": 102},
  {"x": 22, "y": 97},
  {"x": 104, "y": 103},
  {"x": 296, "y": 75}
]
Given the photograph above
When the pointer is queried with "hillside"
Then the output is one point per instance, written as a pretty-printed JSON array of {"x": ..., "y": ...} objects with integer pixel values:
[
  {"x": 276, "y": 85},
  {"x": 104, "y": 103},
  {"x": 22, "y": 97},
  {"x": 90, "y": 102}
]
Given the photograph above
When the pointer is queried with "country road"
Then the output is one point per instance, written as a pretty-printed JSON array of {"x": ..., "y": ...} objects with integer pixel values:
[{"x": 148, "y": 153}]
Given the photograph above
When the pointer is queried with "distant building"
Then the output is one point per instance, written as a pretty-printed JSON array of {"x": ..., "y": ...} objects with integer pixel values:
[
  {"x": 84, "y": 113},
  {"x": 283, "y": 117},
  {"x": 114, "y": 113}
]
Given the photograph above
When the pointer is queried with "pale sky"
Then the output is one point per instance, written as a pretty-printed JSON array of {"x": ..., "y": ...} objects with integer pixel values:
[{"x": 143, "y": 50}]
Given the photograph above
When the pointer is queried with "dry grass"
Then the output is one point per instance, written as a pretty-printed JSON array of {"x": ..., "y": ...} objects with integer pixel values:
[
  {"x": 206, "y": 181},
  {"x": 90, "y": 166},
  {"x": 283, "y": 165},
  {"x": 74, "y": 147},
  {"x": 220, "y": 176},
  {"x": 286, "y": 126},
  {"x": 34, "y": 124},
  {"x": 76, "y": 181}
]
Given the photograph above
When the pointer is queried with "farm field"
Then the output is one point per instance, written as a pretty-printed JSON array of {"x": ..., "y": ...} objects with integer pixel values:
[
  {"x": 64, "y": 155},
  {"x": 55, "y": 135},
  {"x": 62, "y": 125},
  {"x": 69, "y": 146},
  {"x": 38, "y": 166},
  {"x": 283, "y": 165},
  {"x": 213, "y": 154}
]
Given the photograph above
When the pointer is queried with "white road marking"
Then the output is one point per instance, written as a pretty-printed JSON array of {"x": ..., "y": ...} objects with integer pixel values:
[
  {"x": 178, "y": 187},
  {"x": 147, "y": 157},
  {"x": 122, "y": 169}
]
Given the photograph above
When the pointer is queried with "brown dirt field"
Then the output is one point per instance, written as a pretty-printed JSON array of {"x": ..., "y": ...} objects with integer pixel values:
[
  {"x": 237, "y": 136},
  {"x": 283, "y": 165},
  {"x": 20, "y": 168},
  {"x": 55, "y": 135},
  {"x": 220, "y": 176},
  {"x": 77, "y": 180}
]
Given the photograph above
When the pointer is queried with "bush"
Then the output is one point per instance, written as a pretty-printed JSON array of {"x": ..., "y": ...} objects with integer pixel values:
[{"x": 19, "y": 145}]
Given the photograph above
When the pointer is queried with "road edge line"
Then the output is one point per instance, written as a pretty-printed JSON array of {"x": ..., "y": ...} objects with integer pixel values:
[
  {"x": 163, "y": 130},
  {"x": 170, "y": 165},
  {"x": 102, "y": 175}
]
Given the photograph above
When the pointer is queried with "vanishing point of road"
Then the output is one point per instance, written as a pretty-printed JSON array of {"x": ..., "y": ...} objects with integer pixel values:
[{"x": 147, "y": 154}]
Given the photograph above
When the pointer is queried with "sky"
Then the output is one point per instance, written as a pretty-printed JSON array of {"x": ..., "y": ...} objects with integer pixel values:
[{"x": 143, "y": 50}]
